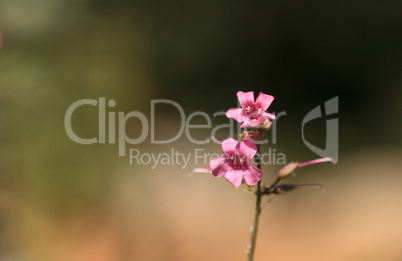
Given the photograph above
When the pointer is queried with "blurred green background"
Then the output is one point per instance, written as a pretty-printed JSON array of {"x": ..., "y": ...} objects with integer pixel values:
[{"x": 60, "y": 200}]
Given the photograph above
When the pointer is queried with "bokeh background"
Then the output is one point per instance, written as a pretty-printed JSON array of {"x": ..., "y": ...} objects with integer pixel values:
[{"x": 60, "y": 200}]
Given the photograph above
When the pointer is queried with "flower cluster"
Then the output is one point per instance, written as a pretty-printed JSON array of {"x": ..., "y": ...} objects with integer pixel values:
[{"x": 236, "y": 164}]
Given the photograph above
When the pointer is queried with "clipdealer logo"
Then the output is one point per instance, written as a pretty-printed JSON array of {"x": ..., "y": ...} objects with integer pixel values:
[{"x": 108, "y": 120}]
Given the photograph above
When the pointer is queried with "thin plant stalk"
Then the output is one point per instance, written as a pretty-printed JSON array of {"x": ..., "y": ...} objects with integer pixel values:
[{"x": 259, "y": 193}]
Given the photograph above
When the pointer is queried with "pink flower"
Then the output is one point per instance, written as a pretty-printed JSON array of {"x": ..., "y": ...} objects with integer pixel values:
[
  {"x": 252, "y": 113},
  {"x": 235, "y": 164}
]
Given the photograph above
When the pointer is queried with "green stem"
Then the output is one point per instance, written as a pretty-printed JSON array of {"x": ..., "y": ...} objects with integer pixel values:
[{"x": 259, "y": 193}]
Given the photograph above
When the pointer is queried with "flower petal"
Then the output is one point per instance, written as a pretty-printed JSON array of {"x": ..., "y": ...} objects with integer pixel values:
[
  {"x": 229, "y": 146},
  {"x": 235, "y": 177},
  {"x": 268, "y": 115},
  {"x": 264, "y": 100},
  {"x": 252, "y": 175},
  {"x": 236, "y": 114},
  {"x": 245, "y": 98},
  {"x": 218, "y": 166},
  {"x": 247, "y": 149}
]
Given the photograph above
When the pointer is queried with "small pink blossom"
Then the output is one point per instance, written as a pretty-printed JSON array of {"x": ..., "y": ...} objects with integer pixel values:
[
  {"x": 235, "y": 164},
  {"x": 252, "y": 113}
]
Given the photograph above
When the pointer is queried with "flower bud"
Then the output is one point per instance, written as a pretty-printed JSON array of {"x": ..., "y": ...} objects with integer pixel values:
[
  {"x": 266, "y": 124},
  {"x": 250, "y": 135},
  {"x": 282, "y": 189},
  {"x": 288, "y": 169}
]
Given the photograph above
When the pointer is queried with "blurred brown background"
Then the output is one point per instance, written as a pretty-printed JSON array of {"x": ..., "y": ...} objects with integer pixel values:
[{"x": 60, "y": 200}]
